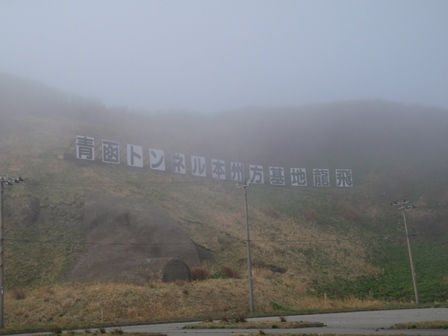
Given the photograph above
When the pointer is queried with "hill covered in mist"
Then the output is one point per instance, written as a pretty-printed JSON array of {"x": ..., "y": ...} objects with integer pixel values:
[{"x": 341, "y": 241}]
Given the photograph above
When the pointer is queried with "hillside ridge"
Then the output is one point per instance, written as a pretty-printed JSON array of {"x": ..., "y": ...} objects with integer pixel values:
[{"x": 317, "y": 236}]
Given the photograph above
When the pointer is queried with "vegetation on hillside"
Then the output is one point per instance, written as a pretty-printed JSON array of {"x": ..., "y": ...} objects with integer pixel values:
[{"x": 337, "y": 242}]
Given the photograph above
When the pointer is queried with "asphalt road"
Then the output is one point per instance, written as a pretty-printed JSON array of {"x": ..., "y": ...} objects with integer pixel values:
[{"x": 366, "y": 323}]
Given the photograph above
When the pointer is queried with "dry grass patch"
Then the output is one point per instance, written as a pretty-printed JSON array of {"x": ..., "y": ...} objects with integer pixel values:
[
  {"x": 262, "y": 274},
  {"x": 237, "y": 324},
  {"x": 422, "y": 325},
  {"x": 83, "y": 304},
  {"x": 229, "y": 272},
  {"x": 18, "y": 294},
  {"x": 261, "y": 332},
  {"x": 199, "y": 273},
  {"x": 349, "y": 212},
  {"x": 102, "y": 331},
  {"x": 311, "y": 216}
]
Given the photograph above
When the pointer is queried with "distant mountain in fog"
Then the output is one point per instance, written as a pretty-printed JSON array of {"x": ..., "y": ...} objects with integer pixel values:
[
  {"x": 395, "y": 151},
  {"x": 352, "y": 133}
]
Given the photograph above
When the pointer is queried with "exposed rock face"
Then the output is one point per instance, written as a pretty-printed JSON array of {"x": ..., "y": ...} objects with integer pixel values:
[{"x": 130, "y": 241}]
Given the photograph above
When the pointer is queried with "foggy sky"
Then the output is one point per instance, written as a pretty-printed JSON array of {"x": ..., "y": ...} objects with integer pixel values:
[{"x": 217, "y": 55}]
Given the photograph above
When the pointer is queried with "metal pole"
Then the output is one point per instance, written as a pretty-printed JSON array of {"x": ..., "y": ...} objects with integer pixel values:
[
  {"x": 414, "y": 281},
  {"x": 249, "y": 263},
  {"x": 2, "y": 292}
]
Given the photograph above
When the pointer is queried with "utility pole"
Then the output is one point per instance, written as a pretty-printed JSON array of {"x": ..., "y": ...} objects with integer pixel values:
[
  {"x": 2, "y": 292},
  {"x": 3, "y": 181},
  {"x": 403, "y": 206},
  {"x": 249, "y": 262}
]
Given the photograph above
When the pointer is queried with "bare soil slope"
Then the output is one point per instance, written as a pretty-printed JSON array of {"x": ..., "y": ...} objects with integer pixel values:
[{"x": 132, "y": 241}]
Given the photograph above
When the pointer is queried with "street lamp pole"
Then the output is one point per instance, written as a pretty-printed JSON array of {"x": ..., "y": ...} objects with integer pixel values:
[
  {"x": 403, "y": 206},
  {"x": 3, "y": 181},
  {"x": 2, "y": 292},
  {"x": 249, "y": 262},
  {"x": 414, "y": 281}
]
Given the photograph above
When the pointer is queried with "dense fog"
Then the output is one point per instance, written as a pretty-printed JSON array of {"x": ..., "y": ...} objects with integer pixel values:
[{"x": 221, "y": 55}]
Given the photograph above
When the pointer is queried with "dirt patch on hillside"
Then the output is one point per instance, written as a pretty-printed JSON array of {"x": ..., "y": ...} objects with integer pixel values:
[{"x": 131, "y": 241}]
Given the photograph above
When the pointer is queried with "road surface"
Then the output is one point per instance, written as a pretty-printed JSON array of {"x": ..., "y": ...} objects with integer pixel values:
[{"x": 365, "y": 323}]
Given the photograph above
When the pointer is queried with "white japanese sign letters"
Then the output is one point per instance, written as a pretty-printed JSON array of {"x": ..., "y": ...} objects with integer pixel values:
[{"x": 215, "y": 168}]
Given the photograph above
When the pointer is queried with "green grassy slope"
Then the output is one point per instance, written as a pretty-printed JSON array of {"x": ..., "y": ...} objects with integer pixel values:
[{"x": 336, "y": 241}]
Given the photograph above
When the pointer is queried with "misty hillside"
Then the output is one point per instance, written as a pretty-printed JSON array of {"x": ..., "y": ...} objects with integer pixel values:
[{"x": 340, "y": 241}]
